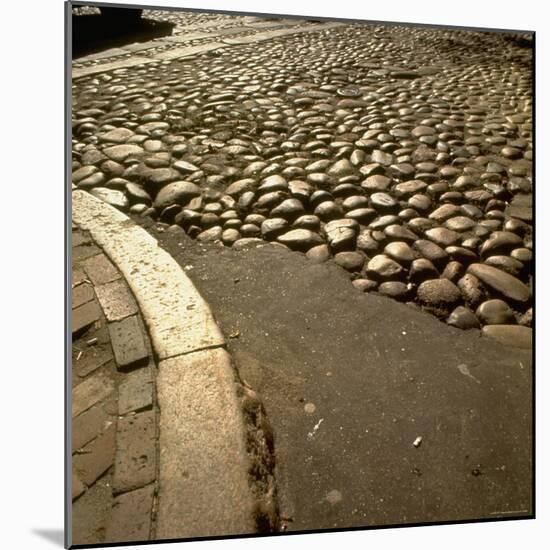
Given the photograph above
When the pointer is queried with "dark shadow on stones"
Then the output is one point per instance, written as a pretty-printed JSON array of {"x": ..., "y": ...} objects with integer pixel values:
[
  {"x": 93, "y": 33},
  {"x": 51, "y": 535}
]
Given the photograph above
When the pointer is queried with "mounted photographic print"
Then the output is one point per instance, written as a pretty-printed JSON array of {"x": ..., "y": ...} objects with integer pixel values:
[{"x": 301, "y": 258}]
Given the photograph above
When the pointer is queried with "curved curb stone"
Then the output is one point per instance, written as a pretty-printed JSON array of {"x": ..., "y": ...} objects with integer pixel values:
[{"x": 203, "y": 463}]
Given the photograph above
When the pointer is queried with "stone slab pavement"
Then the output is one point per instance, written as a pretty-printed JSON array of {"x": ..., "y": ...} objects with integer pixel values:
[{"x": 381, "y": 413}]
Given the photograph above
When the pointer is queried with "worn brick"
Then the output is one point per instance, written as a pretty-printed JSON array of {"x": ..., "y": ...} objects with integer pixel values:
[
  {"x": 128, "y": 342},
  {"x": 78, "y": 276},
  {"x": 84, "y": 251},
  {"x": 82, "y": 294},
  {"x": 91, "y": 391},
  {"x": 77, "y": 487},
  {"x": 135, "y": 392},
  {"x": 92, "y": 358},
  {"x": 130, "y": 518},
  {"x": 116, "y": 300},
  {"x": 100, "y": 269},
  {"x": 79, "y": 238},
  {"x": 97, "y": 458},
  {"x": 85, "y": 315},
  {"x": 135, "y": 461},
  {"x": 89, "y": 425}
]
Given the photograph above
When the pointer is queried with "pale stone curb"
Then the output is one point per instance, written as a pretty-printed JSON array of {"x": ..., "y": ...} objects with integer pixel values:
[
  {"x": 203, "y": 472},
  {"x": 201, "y": 449},
  {"x": 178, "y": 319}
]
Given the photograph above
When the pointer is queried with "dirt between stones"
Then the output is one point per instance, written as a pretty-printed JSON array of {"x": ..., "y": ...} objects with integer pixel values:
[{"x": 350, "y": 380}]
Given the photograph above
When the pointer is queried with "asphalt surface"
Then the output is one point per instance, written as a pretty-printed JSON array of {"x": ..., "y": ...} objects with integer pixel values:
[{"x": 351, "y": 381}]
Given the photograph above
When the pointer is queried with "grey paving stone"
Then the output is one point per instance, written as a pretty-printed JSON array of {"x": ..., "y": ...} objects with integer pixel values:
[
  {"x": 116, "y": 300},
  {"x": 130, "y": 518},
  {"x": 135, "y": 392},
  {"x": 81, "y": 294},
  {"x": 100, "y": 270},
  {"x": 89, "y": 392},
  {"x": 135, "y": 462},
  {"x": 128, "y": 342},
  {"x": 84, "y": 315},
  {"x": 97, "y": 457}
]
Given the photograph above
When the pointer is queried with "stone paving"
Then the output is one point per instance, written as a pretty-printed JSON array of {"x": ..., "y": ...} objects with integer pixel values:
[
  {"x": 113, "y": 405},
  {"x": 401, "y": 154}
]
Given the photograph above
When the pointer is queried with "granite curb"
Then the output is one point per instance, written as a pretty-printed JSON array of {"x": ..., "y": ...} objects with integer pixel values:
[{"x": 201, "y": 426}]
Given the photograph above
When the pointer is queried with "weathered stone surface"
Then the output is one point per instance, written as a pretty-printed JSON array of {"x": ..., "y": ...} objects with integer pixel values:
[
  {"x": 510, "y": 335},
  {"x": 443, "y": 236},
  {"x": 439, "y": 294},
  {"x": 300, "y": 239},
  {"x": 114, "y": 197},
  {"x": 81, "y": 294},
  {"x": 89, "y": 392},
  {"x": 463, "y": 318},
  {"x": 401, "y": 252},
  {"x": 116, "y": 300},
  {"x": 100, "y": 270},
  {"x": 273, "y": 227},
  {"x": 128, "y": 342},
  {"x": 88, "y": 425},
  {"x": 130, "y": 518},
  {"x": 135, "y": 391},
  {"x": 118, "y": 135},
  {"x": 97, "y": 458},
  {"x": 85, "y": 315},
  {"x": 352, "y": 261},
  {"x": 197, "y": 397},
  {"x": 77, "y": 487},
  {"x": 120, "y": 153},
  {"x": 500, "y": 242},
  {"x": 177, "y": 192},
  {"x": 383, "y": 268},
  {"x": 500, "y": 281},
  {"x": 394, "y": 289},
  {"x": 319, "y": 253},
  {"x": 135, "y": 460},
  {"x": 495, "y": 312}
]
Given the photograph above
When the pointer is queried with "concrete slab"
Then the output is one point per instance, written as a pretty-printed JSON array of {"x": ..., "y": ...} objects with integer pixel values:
[
  {"x": 201, "y": 424},
  {"x": 350, "y": 381}
]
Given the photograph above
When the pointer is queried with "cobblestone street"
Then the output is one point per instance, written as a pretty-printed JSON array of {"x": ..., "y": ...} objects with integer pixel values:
[{"x": 353, "y": 191}]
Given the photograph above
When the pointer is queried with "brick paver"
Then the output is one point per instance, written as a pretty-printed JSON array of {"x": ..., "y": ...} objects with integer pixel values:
[{"x": 114, "y": 423}]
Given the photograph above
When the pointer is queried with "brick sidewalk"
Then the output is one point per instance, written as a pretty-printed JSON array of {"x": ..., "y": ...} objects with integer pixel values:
[{"x": 114, "y": 417}]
